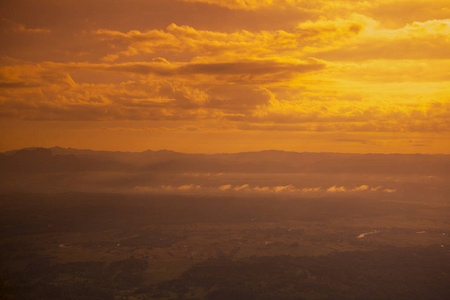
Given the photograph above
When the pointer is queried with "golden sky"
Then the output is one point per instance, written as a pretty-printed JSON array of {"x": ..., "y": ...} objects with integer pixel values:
[{"x": 226, "y": 75}]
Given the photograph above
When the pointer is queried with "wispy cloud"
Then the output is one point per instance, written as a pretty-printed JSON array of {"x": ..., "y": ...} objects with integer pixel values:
[
  {"x": 8, "y": 25},
  {"x": 225, "y": 187},
  {"x": 243, "y": 187},
  {"x": 335, "y": 189},
  {"x": 274, "y": 190}
]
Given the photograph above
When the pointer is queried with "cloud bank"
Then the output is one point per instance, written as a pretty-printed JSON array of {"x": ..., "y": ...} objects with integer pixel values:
[
  {"x": 231, "y": 66},
  {"x": 269, "y": 190}
]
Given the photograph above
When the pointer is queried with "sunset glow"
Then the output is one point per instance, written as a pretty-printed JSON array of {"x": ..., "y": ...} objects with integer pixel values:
[{"x": 226, "y": 75}]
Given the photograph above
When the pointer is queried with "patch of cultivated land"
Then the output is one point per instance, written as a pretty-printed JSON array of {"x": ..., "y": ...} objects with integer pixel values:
[{"x": 167, "y": 236}]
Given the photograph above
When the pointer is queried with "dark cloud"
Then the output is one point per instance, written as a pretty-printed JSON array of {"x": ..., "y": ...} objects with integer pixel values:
[
  {"x": 258, "y": 69},
  {"x": 361, "y": 141},
  {"x": 17, "y": 85},
  {"x": 250, "y": 68}
]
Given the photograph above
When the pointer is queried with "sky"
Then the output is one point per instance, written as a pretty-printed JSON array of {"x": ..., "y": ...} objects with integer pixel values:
[{"x": 211, "y": 76}]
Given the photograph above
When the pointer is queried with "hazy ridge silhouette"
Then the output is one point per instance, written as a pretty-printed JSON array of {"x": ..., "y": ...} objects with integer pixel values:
[{"x": 269, "y": 161}]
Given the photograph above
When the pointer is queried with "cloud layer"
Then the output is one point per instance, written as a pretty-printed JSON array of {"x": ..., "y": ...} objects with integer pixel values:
[
  {"x": 342, "y": 66},
  {"x": 270, "y": 190}
]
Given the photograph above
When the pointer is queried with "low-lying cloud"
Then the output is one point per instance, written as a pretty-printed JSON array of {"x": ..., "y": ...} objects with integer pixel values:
[{"x": 256, "y": 189}]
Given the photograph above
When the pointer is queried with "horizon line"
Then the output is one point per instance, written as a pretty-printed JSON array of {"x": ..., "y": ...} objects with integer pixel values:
[{"x": 216, "y": 153}]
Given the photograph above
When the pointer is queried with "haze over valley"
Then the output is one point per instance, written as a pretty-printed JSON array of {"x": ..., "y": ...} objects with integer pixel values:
[{"x": 166, "y": 225}]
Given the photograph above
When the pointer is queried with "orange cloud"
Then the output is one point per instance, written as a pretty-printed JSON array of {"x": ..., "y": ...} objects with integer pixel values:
[
  {"x": 335, "y": 67},
  {"x": 242, "y": 4},
  {"x": 230, "y": 46},
  {"x": 8, "y": 25},
  {"x": 246, "y": 188},
  {"x": 419, "y": 40},
  {"x": 174, "y": 96}
]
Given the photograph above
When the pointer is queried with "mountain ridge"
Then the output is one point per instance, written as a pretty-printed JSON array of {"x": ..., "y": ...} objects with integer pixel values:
[
  {"x": 267, "y": 161},
  {"x": 61, "y": 150}
]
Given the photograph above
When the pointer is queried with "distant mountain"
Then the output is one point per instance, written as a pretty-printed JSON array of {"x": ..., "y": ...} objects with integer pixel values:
[
  {"x": 134, "y": 158},
  {"x": 37, "y": 160},
  {"x": 292, "y": 162},
  {"x": 71, "y": 160}
]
